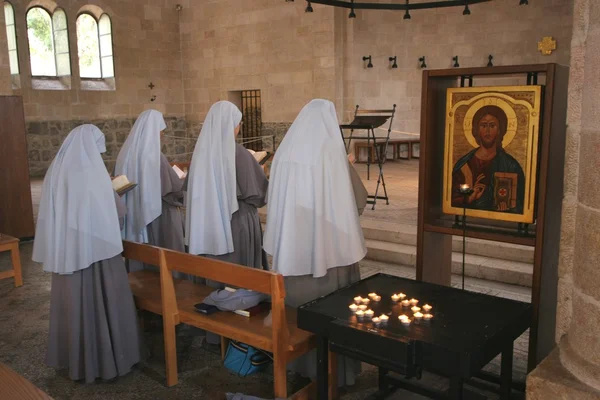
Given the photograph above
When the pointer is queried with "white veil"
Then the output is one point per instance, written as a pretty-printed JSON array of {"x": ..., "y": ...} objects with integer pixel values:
[
  {"x": 77, "y": 222},
  {"x": 139, "y": 160},
  {"x": 212, "y": 191},
  {"x": 312, "y": 219}
]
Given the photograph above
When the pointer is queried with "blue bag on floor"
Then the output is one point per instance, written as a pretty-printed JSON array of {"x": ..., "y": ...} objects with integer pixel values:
[{"x": 245, "y": 360}]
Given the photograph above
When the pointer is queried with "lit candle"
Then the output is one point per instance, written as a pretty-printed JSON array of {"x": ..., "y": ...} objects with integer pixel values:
[
  {"x": 376, "y": 321},
  {"x": 371, "y": 295},
  {"x": 366, "y": 301},
  {"x": 414, "y": 302},
  {"x": 418, "y": 316},
  {"x": 402, "y": 296},
  {"x": 369, "y": 313},
  {"x": 362, "y": 307},
  {"x": 384, "y": 318},
  {"x": 403, "y": 316},
  {"x": 415, "y": 309},
  {"x": 353, "y": 307},
  {"x": 360, "y": 315},
  {"x": 405, "y": 303},
  {"x": 377, "y": 298},
  {"x": 358, "y": 299},
  {"x": 405, "y": 320},
  {"x": 427, "y": 307},
  {"x": 465, "y": 188},
  {"x": 428, "y": 317},
  {"x": 395, "y": 298}
]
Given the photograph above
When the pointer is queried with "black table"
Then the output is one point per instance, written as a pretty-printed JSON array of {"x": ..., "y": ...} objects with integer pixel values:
[{"x": 467, "y": 331}]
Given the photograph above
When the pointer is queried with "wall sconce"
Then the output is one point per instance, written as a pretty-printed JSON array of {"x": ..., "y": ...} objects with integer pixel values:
[
  {"x": 455, "y": 59},
  {"x": 422, "y": 60},
  {"x": 153, "y": 98},
  {"x": 394, "y": 65},
  {"x": 369, "y": 65},
  {"x": 179, "y": 7},
  {"x": 490, "y": 63},
  {"x": 309, "y": 7}
]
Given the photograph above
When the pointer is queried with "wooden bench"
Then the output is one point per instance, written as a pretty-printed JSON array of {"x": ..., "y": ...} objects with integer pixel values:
[
  {"x": 159, "y": 293},
  {"x": 14, "y": 387},
  {"x": 9, "y": 243}
]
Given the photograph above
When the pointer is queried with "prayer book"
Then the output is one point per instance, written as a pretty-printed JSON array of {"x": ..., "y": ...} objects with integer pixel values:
[
  {"x": 260, "y": 156},
  {"x": 181, "y": 174},
  {"x": 505, "y": 187},
  {"x": 252, "y": 311},
  {"x": 121, "y": 185}
]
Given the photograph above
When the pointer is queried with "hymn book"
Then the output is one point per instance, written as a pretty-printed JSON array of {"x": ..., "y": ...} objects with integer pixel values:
[
  {"x": 260, "y": 156},
  {"x": 121, "y": 185},
  {"x": 181, "y": 174}
]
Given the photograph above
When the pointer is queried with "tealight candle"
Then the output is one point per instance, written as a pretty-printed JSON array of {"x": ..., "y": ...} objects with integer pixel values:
[
  {"x": 464, "y": 188},
  {"x": 358, "y": 299},
  {"x": 427, "y": 307},
  {"x": 395, "y": 298},
  {"x": 403, "y": 316},
  {"x": 418, "y": 316},
  {"x": 371, "y": 295},
  {"x": 414, "y": 302},
  {"x": 427, "y": 317},
  {"x": 377, "y": 298},
  {"x": 402, "y": 296},
  {"x": 353, "y": 307},
  {"x": 415, "y": 309},
  {"x": 366, "y": 301},
  {"x": 405, "y": 303},
  {"x": 404, "y": 321},
  {"x": 376, "y": 321},
  {"x": 369, "y": 313},
  {"x": 360, "y": 314},
  {"x": 384, "y": 318},
  {"x": 362, "y": 307}
]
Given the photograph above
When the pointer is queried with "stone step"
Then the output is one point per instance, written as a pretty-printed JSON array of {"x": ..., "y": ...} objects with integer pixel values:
[
  {"x": 407, "y": 234},
  {"x": 486, "y": 268}
]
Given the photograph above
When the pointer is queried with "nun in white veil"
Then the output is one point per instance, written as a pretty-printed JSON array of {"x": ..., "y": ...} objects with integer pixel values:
[
  {"x": 313, "y": 230},
  {"x": 225, "y": 187},
  {"x": 154, "y": 207},
  {"x": 93, "y": 326}
]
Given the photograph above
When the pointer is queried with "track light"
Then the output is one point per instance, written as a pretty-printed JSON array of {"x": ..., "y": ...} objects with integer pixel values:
[
  {"x": 309, "y": 8},
  {"x": 394, "y": 65},
  {"x": 406, "y": 14},
  {"x": 422, "y": 60},
  {"x": 466, "y": 11},
  {"x": 352, "y": 14},
  {"x": 523, "y": 2},
  {"x": 370, "y": 64}
]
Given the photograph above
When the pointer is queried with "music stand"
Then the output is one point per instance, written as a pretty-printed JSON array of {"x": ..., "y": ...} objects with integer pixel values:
[{"x": 369, "y": 120}]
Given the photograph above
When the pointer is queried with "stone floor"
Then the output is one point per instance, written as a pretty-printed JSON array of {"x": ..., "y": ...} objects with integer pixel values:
[{"x": 24, "y": 326}]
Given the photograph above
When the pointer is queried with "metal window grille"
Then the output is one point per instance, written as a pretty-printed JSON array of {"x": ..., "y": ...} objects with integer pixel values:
[{"x": 252, "y": 119}]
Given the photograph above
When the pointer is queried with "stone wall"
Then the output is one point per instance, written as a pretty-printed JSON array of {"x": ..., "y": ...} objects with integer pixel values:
[
  {"x": 269, "y": 45},
  {"x": 502, "y": 28},
  {"x": 45, "y": 138},
  {"x": 146, "y": 49}
]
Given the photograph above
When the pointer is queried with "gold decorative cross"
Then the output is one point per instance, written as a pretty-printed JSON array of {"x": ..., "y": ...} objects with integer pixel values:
[{"x": 547, "y": 45}]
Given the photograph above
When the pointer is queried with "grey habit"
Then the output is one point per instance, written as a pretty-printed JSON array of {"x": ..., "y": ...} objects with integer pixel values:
[
  {"x": 93, "y": 321},
  {"x": 252, "y": 187},
  {"x": 302, "y": 289}
]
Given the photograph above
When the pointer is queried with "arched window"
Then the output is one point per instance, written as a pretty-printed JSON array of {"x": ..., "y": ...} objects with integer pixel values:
[
  {"x": 94, "y": 44},
  {"x": 48, "y": 42},
  {"x": 11, "y": 36}
]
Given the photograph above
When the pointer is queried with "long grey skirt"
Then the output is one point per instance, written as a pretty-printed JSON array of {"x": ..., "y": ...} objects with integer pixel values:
[
  {"x": 93, "y": 322},
  {"x": 302, "y": 289}
]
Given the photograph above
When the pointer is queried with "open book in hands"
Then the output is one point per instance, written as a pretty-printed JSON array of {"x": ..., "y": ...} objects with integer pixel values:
[
  {"x": 121, "y": 184},
  {"x": 181, "y": 174},
  {"x": 260, "y": 156}
]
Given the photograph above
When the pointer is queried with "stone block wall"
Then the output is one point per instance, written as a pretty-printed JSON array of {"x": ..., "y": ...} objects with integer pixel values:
[
  {"x": 44, "y": 138},
  {"x": 502, "y": 28}
]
